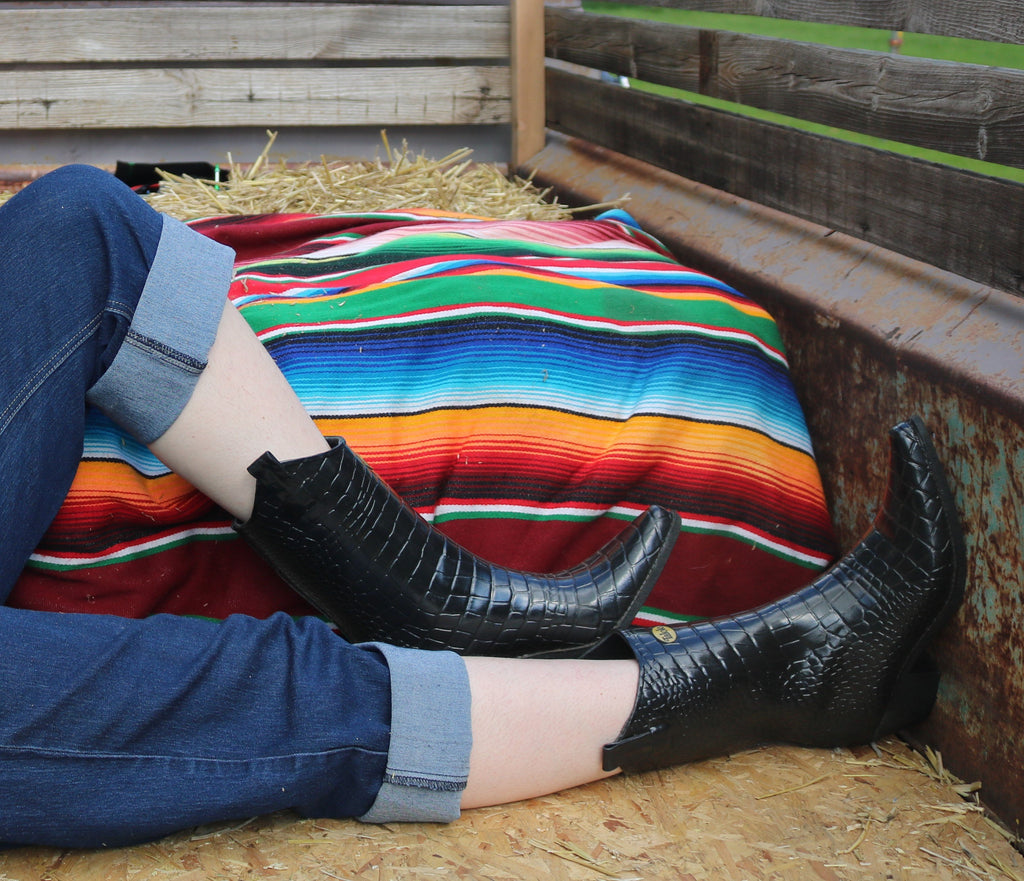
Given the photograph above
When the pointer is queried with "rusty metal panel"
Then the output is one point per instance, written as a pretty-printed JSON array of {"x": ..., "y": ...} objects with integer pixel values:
[{"x": 873, "y": 337}]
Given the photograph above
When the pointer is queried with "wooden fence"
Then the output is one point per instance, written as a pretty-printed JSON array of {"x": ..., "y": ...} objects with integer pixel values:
[
  {"x": 970, "y": 223},
  {"x": 74, "y": 71}
]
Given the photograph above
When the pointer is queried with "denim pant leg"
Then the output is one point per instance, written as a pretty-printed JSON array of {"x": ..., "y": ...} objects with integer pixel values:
[
  {"x": 104, "y": 300},
  {"x": 71, "y": 273},
  {"x": 114, "y": 731}
]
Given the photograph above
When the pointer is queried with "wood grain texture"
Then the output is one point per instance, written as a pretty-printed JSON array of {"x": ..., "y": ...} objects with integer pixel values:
[
  {"x": 527, "y": 78},
  {"x": 965, "y": 109},
  {"x": 161, "y": 33},
  {"x": 154, "y": 97},
  {"x": 969, "y": 224}
]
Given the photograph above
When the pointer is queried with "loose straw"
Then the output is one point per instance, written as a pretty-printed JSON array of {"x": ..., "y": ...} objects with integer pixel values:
[{"x": 400, "y": 181}]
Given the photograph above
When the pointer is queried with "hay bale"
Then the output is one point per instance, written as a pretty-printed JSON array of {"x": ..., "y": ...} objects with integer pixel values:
[{"x": 400, "y": 181}]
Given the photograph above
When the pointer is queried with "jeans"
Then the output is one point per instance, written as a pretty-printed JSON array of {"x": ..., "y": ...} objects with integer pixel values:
[
  {"x": 70, "y": 278},
  {"x": 114, "y": 731}
]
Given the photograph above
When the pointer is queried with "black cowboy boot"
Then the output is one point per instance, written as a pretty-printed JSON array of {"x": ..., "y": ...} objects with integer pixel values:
[
  {"x": 836, "y": 663},
  {"x": 356, "y": 552}
]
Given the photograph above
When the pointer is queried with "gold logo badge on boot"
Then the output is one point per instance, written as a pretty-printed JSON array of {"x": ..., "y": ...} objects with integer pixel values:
[{"x": 664, "y": 633}]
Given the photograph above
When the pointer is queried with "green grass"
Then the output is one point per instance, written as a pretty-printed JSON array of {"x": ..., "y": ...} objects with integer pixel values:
[{"x": 918, "y": 45}]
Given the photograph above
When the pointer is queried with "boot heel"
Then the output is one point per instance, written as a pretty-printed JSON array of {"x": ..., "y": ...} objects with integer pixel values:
[{"x": 912, "y": 698}]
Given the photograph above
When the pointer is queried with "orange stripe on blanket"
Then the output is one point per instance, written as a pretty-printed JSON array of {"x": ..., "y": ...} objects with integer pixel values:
[
  {"x": 104, "y": 492},
  {"x": 576, "y": 447}
]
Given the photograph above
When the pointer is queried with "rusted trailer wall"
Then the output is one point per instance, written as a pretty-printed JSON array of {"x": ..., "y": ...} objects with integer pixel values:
[{"x": 874, "y": 337}]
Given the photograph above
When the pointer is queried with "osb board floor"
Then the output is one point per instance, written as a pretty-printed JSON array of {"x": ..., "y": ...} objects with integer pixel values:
[{"x": 777, "y": 813}]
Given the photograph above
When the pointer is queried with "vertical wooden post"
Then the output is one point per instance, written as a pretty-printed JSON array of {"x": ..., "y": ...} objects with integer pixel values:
[{"x": 527, "y": 32}]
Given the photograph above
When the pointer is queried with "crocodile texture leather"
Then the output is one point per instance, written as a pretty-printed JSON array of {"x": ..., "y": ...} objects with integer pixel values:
[
  {"x": 836, "y": 663},
  {"x": 355, "y": 551}
]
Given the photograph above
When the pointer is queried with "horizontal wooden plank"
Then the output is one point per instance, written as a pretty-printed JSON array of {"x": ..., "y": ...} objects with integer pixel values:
[
  {"x": 301, "y": 2},
  {"x": 966, "y": 223},
  {"x": 125, "y": 4},
  {"x": 151, "y": 97},
  {"x": 966, "y": 109},
  {"x": 194, "y": 33},
  {"x": 1001, "y": 21}
]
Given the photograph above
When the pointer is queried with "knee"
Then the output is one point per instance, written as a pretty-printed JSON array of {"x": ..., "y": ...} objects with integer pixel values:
[
  {"x": 84, "y": 211},
  {"x": 79, "y": 189}
]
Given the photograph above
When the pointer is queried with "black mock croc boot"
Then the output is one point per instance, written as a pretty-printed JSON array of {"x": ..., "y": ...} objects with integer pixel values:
[
  {"x": 837, "y": 663},
  {"x": 356, "y": 552}
]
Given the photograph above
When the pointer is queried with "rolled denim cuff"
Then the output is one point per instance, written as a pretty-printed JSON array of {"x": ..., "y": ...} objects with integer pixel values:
[
  {"x": 155, "y": 371},
  {"x": 431, "y": 738}
]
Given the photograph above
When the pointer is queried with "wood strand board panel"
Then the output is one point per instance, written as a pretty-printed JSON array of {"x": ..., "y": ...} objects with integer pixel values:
[
  {"x": 966, "y": 223},
  {"x": 966, "y": 109},
  {"x": 779, "y": 814},
  {"x": 193, "y": 33},
  {"x": 192, "y": 97},
  {"x": 1001, "y": 21}
]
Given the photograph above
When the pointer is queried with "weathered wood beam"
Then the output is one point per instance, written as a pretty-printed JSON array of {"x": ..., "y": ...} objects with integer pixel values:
[
  {"x": 152, "y": 97},
  {"x": 190, "y": 33},
  {"x": 967, "y": 223},
  {"x": 965, "y": 109}
]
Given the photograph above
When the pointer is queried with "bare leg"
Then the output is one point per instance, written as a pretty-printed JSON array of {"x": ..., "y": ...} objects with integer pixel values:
[
  {"x": 539, "y": 725},
  {"x": 242, "y": 406}
]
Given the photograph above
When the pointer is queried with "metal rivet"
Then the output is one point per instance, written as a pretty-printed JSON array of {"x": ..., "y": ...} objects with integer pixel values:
[{"x": 664, "y": 633}]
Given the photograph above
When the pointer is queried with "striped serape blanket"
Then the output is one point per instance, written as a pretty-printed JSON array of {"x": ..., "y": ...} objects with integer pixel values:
[{"x": 526, "y": 386}]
